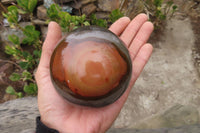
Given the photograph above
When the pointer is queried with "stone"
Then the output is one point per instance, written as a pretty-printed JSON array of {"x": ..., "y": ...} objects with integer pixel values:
[
  {"x": 83, "y": 2},
  {"x": 47, "y": 3},
  {"x": 102, "y": 15},
  {"x": 39, "y": 22},
  {"x": 88, "y": 9},
  {"x": 80, "y": 3},
  {"x": 108, "y": 5},
  {"x": 176, "y": 116},
  {"x": 9, "y": 31},
  {"x": 18, "y": 116},
  {"x": 42, "y": 12}
]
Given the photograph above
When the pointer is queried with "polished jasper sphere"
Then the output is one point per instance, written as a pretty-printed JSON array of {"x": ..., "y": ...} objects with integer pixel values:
[{"x": 91, "y": 66}]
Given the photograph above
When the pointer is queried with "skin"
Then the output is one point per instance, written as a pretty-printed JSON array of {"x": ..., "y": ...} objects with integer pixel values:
[{"x": 59, "y": 114}]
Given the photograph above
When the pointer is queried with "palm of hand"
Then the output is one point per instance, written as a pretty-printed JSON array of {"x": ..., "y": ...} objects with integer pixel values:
[{"x": 57, "y": 113}]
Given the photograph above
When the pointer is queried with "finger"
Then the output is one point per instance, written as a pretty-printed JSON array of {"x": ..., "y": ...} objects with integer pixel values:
[
  {"x": 140, "y": 60},
  {"x": 133, "y": 27},
  {"x": 141, "y": 38},
  {"x": 119, "y": 26},
  {"x": 53, "y": 36}
]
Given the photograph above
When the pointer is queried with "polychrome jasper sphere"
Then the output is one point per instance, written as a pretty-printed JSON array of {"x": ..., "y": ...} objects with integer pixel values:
[{"x": 91, "y": 66}]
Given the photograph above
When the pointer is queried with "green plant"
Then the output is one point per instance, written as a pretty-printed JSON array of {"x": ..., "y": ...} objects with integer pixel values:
[
  {"x": 65, "y": 20},
  {"x": 26, "y": 60},
  {"x": 10, "y": 90},
  {"x": 98, "y": 22},
  {"x": 159, "y": 10},
  {"x": 70, "y": 22},
  {"x": 115, "y": 15}
]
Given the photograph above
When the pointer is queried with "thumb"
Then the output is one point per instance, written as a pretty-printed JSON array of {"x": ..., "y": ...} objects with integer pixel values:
[{"x": 54, "y": 34}]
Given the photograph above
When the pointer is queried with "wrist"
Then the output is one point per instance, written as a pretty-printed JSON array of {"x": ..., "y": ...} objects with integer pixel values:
[{"x": 43, "y": 128}]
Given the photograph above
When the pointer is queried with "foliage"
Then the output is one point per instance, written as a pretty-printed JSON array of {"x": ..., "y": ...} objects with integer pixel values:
[
  {"x": 115, "y": 15},
  {"x": 70, "y": 22},
  {"x": 65, "y": 20},
  {"x": 98, "y": 22},
  {"x": 25, "y": 59},
  {"x": 27, "y": 5},
  {"x": 12, "y": 15},
  {"x": 159, "y": 10},
  {"x": 10, "y": 90}
]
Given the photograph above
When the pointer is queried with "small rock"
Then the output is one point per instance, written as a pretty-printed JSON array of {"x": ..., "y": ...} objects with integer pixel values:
[
  {"x": 67, "y": 9},
  {"x": 83, "y": 2},
  {"x": 42, "y": 13},
  {"x": 108, "y": 5},
  {"x": 47, "y": 3},
  {"x": 5, "y": 32},
  {"x": 102, "y": 15},
  {"x": 79, "y": 4},
  {"x": 88, "y": 9},
  {"x": 39, "y": 22}
]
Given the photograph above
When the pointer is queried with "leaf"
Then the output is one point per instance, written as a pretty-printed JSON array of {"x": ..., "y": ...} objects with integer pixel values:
[
  {"x": 10, "y": 90},
  {"x": 22, "y": 11},
  {"x": 23, "y": 4},
  {"x": 30, "y": 89},
  {"x": 15, "y": 77},
  {"x": 98, "y": 22},
  {"x": 26, "y": 75},
  {"x": 12, "y": 9},
  {"x": 32, "y": 35},
  {"x": 31, "y": 5},
  {"x": 37, "y": 53},
  {"x": 19, "y": 95},
  {"x": 86, "y": 23},
  {"x": 14, "y": 39},
  {"x": 10, "y": 50},
  {"x": 24, "y": 65},
  {"x": 158, "y": 3},
  {"x": 174, "y": 7},
  {"x": 25, "y": 54},
  {"x": 12, "y": 14},
  {"x": 53, "y": 12}
]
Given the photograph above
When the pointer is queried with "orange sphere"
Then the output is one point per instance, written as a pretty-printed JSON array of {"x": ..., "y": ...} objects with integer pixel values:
[{"x": 86, "y": 67}]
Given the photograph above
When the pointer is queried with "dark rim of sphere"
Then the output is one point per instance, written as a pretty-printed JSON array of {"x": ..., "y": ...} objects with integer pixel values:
[{"x": 113, "y": 95}]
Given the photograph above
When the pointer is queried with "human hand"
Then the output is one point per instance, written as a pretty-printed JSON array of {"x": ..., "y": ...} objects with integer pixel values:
[{"x": 59, "y": 114}]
